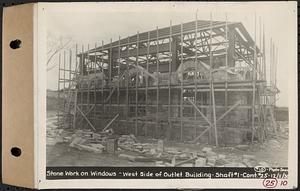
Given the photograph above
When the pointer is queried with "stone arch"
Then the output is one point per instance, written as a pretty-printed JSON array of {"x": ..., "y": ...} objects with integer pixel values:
[
  {"x": 132, "y": 74},
  {"x": 189, "y": 66}
]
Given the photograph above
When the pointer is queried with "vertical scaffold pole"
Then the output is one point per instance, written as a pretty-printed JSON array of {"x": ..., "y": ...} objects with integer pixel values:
[
  {"x": 254, "y": 82},
  {"x": 119, "y": 80},
  {"x": 75, "y": 91},
  {"x": 226, "y": 63},
  {"x": 95, "y": 84},
  {"x": 70, "y": 69},
  {"x": 64, "y": 82},
  {"x": 265, "y": 79},
  {"x": 170, "y": 78},
  {"x": 196, "y": 69},
  {"x": 210, "y": 82},
  {"x": 264, "y": 54},
  {"x": 88, "y": 73},
  {"x": 181, "y": 83},
  {"x": 136, "y": 85},
  {"x": 102, "y": 85},
  {"x": 271, "y": 62},
  {"x": 273, "y": 74},
  {"x": 127, "y": 85},
  {"x": 260, "y": 77},
  {"x": 212, "y": 91},
  {"x": 157, "y": 87},
  {"x": 276, "y": 63},
  {"x": 70, "y": 93},
  {"x": 58, "y": 89},
  {"x": 110, "y": 66},
  {"x": 147, "y": 80},
  {"x": 226, "y": 68},
  {"x": 81, "y": 86},
  {"x": 259, "y": 56}
]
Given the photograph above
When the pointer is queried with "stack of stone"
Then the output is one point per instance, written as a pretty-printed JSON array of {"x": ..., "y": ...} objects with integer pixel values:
[{"x": 127, "y": 141}]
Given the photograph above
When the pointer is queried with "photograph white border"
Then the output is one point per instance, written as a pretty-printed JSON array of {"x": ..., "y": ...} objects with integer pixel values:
[{"x": 40, "y": 105}]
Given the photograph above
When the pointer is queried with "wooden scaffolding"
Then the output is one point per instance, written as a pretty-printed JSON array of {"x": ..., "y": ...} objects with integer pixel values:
[{"x": 181, "y": 78}]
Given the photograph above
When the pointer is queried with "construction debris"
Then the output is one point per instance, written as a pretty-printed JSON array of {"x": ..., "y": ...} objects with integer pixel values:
[
  {"x": 206, "y": 149},
  {"x": 129, "y": 148},
  {"x": 127, "y": 157},
  {"x": 92, "y": 147},
  {"x": 200, "y": 162}
]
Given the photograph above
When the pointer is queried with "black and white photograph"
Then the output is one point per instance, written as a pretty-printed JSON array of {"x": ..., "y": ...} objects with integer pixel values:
[
  {"x": 168, "y": 85},
  {"x": 150, "y": 95}
]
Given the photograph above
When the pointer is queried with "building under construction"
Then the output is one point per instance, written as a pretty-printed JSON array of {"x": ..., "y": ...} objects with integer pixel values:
[{"x": 201, "y": 81}]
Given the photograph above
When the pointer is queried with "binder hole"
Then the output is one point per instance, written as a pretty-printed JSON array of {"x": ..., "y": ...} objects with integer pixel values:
[
  {"x": 14, "y": 44},
  {"x": 15, "y": 151}
]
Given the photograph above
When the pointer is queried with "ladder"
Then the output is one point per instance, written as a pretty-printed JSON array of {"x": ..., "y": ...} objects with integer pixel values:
[{"x": 69, "y": 96}]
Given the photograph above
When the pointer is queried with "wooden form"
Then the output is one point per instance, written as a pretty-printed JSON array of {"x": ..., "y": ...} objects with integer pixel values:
[{"x": 159, "y": 53}]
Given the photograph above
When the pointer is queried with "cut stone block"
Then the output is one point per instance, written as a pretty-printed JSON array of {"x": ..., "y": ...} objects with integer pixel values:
[
  {"x": 207, "y": 149},
  {"x": 242, "y": 147},
  {"x": 211, "y": 153},
  {"x": 187, "y": 165},
  {"x": 127, "y": 157},
  {"x": 200, "y": 162},
  {"x": 211, "y": 162},
  {"x": 221, "y": 156}
]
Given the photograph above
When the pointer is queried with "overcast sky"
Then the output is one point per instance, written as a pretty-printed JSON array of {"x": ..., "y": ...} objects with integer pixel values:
[{"x": 93, "y": 22}]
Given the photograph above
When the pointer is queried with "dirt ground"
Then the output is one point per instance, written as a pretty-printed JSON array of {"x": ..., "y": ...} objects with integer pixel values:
[{"x": 273, "y": 152}]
